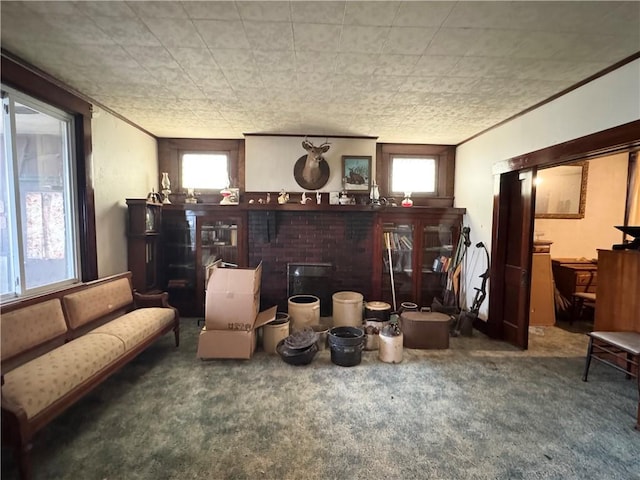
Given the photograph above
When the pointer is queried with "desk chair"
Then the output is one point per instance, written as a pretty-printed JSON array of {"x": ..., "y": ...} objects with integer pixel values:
[{"x": 580, "y": 300}]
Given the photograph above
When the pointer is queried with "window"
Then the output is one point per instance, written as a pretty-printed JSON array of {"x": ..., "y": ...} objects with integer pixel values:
[
  {"x": 205, "y": 171},
  {"x": 425, "y": 170},
  {"x": 413, "y": 174},
  {"x": 38, "y": 214}
]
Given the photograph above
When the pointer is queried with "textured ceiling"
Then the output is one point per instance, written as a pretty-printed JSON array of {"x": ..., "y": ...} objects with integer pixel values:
[{"x": 424, "y": 72}]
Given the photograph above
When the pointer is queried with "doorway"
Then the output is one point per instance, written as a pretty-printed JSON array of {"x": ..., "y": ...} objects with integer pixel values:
[{"x": 512, "y": 234}]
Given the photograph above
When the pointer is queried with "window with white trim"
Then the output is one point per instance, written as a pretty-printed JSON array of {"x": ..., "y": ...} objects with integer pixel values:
[
  {"x": 413, "y": 174},
  {"x": 38, "y": 211}
]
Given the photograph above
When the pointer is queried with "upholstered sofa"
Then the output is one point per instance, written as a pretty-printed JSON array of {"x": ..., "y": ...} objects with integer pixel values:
[{"x": 59, "y": 346}]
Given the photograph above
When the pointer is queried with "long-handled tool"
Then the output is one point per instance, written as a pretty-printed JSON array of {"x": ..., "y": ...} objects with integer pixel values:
[{"x": 387, "y": 241}]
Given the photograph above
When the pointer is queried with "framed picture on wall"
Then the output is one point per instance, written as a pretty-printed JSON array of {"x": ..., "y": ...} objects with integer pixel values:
[{"x": 356, "y": 173}]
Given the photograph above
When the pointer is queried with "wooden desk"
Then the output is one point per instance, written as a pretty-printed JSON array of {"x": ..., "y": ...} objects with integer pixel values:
[{"x": 574, "y": 275}]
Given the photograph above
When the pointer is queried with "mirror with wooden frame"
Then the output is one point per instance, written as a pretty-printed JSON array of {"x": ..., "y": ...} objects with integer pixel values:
[{"x": 561, "y": 191}]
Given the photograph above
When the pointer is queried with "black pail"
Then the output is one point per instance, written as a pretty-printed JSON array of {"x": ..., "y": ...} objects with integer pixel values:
[{"x": 346, "y": 345}]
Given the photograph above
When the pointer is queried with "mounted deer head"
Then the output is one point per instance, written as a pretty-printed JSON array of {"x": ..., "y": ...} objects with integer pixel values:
[{"x": 311, "y": 171}]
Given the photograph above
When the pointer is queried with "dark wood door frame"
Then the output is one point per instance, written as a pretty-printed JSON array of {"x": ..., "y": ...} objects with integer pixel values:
[{"x": 620, "y": 139}]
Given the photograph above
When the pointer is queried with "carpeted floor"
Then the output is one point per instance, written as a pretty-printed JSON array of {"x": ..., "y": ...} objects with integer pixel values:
[{"x": 480, "y": 410}]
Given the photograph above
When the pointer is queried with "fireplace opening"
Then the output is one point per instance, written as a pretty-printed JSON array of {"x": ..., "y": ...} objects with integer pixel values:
[{"x": 312, "y": 279}]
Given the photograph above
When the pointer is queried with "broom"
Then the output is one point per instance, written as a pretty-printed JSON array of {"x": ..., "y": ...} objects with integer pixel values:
[{"x": 387, "y": 241}]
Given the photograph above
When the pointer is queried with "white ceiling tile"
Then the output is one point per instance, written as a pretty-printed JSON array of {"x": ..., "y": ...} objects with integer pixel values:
[
  {"x": 265, "y": 11},
  {"x": 103, "y": 57},
  {"x": 185, "y": 89},
  {"x": 212, "y": 10},
  {"x": 481, "y": 15},
  {"x": 269, "y": 35},
  {"x": 129, "y": 75},
  {"x": 389, "y": 83},
  {"x": 408, "y": 40},
  {"x": 84, "y": 32},
  {"x": 318, "y": 12},
  {"x": 234, "y": 59},
  {"x": 357, "y": 63},
  {"x": 543, "y": 44},
  {"x": 363, "y": 39},
  {"x": 126, "y": 31},
  {"x": 396, "y": 64},
  {"x": 430, "y": 65},
  {"x": 104, "y": 9},
  {"x": 321, "y": 82},
  {"x": 193, "y": 58},
  {"x": 422, "y": 14},
  {"x": 476, "y": 67},
  {"x": 243, "y": 80},
  {"x": 168, "y": 75},
  {"x": 223, "y": 98},
  {"x": 495, "y": 43},
  {"x": 208, "y": 80},
  {"x": 598, "y": 48},
  {"x": 158, "y": 9},
  {"x": 370, "y": 13},
  {"x": 622, "y": 18},
  {"x": 316, "y": 37},
  {"x": 274, "y": 60},
  {"x": 174, "y": 32},
  {"x": 352, "y": 82},
  {"x": 278, "y": 79},
  {"x": 452, "y": 41},
  {"x": 152, "y": 56},
  {"x": 315, "y": 61},
  {"x": 377, "y": 96},
  {"x": 439, "y": 84},
  {"x": 222, "y": 34},
  {"x": 53, "y": 8}
]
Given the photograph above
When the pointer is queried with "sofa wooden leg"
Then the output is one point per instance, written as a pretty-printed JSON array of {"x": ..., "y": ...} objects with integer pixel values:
[
  {"x": 176, "y": 334},
  {"x": 23, "y": 460}
]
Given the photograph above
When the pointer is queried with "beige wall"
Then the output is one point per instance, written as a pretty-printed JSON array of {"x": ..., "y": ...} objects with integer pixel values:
[
  {"x": 125, "y": 165},
  {"x": 606, "y": 196}
]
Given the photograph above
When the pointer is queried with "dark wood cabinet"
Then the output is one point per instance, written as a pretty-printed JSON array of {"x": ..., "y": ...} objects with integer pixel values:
[
  {"x": 195, "y": 236},
  {"x": 143, "y": 243},
  {"x": 413, "y": 251}
]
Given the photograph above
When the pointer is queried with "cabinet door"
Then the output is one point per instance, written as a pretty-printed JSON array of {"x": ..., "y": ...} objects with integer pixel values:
[
  {"x": 397, "y": 263},
  {"x": 179, "y": 239},
  {"x": 217, "y": 239},
  {"x": 435, "y": 259}
]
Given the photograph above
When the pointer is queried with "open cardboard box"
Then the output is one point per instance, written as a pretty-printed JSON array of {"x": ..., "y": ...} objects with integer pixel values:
[
  {"x": 239, "y": 344},
  {"x": 233, "y": 298}
]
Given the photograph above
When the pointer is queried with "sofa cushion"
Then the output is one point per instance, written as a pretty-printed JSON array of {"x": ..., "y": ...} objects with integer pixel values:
[
  {"x": 135, "y": 327},
  {"x": 95, "y": 302},
  {"x": 31, "y": 326},
  {"x": 38, "y": 383}
]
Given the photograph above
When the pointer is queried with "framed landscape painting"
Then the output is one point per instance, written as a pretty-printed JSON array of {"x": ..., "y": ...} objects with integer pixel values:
[{"x": 356, "y": 173}]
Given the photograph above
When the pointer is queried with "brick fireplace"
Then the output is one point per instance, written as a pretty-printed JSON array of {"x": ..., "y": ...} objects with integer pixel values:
[{"x": 342, "y": 239}]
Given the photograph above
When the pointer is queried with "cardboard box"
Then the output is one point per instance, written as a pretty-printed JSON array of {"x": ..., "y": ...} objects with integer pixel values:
[
  {"x": 238, "y": 344},
  {"x": 233, "y": 298}
]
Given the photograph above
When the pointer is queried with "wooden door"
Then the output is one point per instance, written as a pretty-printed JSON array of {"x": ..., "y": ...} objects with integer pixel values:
[{"x": 511, "y": 258}]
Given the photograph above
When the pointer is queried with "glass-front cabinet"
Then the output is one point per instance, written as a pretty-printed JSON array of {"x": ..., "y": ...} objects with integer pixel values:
[
  {"x": 194, "y": 238},
  {"x": 397, "y": 258},
  {"x": 413, "y": 252}
]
